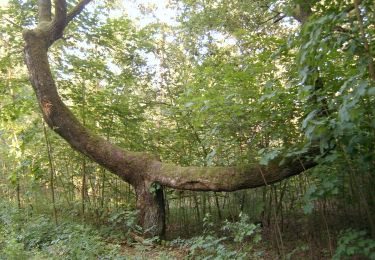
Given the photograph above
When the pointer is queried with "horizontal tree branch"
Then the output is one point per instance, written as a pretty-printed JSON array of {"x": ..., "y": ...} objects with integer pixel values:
[{"x": 231, "y": 178}]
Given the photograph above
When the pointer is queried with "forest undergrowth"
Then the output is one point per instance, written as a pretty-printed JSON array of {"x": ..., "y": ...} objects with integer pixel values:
[{"x": 29, "y": 233}]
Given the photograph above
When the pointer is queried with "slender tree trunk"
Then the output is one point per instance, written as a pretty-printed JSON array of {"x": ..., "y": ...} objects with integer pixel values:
[
  {"x": 83, "y": 189},
  {"x": 218, "y": 205},
  {"x": 103, "y": 179},
  {"x": 196, "y": 205},
  {"x": 18, "y": 190},
  {"x": 52, "y": 172}
]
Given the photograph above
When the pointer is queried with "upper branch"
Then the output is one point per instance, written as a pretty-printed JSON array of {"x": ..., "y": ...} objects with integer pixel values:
[
  {"x": 59, "y": 21},
  {"x": 54, "y": 29},
  {"x": 44, "y": 10}
]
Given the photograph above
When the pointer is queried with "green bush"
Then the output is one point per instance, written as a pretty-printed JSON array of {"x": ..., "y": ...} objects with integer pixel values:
[
  {"x": 211, "y": 246},
  {"x": 74, "y": 241},
  {"x": 39, "y": 237},
  {"x": 12, "y": 249},
  {"x": 120, "y": 223},
  {"x": 38, "y": 233},
  {"x": 354, "y": 243}
]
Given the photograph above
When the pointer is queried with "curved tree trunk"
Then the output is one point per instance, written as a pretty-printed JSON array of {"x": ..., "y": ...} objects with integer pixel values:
[{"x": 140, "y": 170}]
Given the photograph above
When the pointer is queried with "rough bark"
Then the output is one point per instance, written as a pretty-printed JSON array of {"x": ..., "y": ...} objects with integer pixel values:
[
  {"x": 138, "y": 169},
  {"x": 150, "y": 203},
  {"x": 229, "y": 178}
]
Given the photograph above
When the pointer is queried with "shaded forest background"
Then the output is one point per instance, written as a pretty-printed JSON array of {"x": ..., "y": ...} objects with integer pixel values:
[{"x": 230, "y": 83}]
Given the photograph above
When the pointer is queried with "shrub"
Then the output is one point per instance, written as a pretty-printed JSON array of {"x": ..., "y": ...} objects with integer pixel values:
[
  {"x": 211, "y": 246},
  {"x": 354, "y": 243}
]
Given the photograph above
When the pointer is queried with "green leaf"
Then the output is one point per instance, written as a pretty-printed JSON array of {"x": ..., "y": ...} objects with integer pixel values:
[
  {"x": 308, "y": 207},
  {"x": 371, "y": 91}
]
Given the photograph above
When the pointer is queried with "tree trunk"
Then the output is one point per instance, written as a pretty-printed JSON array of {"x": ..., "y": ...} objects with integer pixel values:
[{"x": 150, "y": 203}]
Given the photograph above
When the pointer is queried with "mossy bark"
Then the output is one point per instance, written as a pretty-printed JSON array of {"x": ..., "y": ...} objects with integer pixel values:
[{"x": 150, "y": 203}]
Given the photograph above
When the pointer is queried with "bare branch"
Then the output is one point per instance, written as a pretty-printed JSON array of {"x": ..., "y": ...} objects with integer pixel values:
[
  {"x": 279, "y": 18},
  {"x": 13, "y": 23},
  {"x": 77, "y": 9},
  {"x": 44, "y": 10},
  {"x": 275, "y": 19}
]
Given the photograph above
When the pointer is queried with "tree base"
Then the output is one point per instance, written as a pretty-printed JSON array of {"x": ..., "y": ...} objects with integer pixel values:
[{"x": 150, "y": 203}]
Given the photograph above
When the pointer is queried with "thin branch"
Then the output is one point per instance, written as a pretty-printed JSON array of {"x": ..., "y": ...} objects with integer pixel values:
[
  {"x": 77, "y": 9},
  {"x": 13, "y": 23},
  {"x": 264, "y": 178},
  {"x": 279, "y": 18},
  {"x": 276, "y": 16}
]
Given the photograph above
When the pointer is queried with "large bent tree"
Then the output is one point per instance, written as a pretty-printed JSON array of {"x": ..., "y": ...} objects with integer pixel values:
[{"x": 140, "y": 170}]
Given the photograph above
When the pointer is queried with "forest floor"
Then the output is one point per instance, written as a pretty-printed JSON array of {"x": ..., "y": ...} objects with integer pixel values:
[
  {"x": 264, "y": 250},
  {"x": 140, "y": 251},
  {"x": 36, "y": 236}
]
